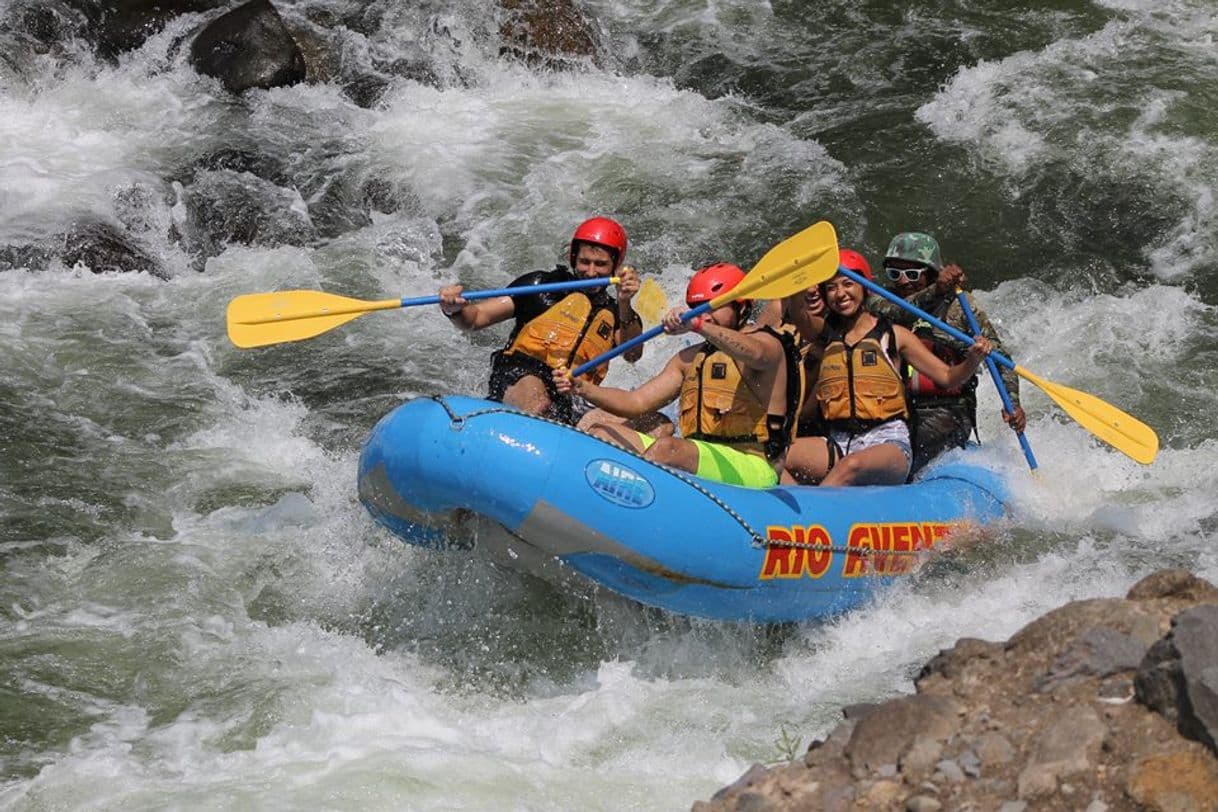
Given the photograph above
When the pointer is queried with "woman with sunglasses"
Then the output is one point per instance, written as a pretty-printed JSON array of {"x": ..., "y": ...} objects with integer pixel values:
[
  {"x": 942, "y": 418},
  {"x": 860, "y": 390}
]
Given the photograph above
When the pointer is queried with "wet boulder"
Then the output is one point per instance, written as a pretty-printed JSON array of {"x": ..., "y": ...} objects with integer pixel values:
[
  {"x": 25, "y": 256},
  {"x": 115, "y": 26},
  {"x": 97, "y": 245},
  {"x": 39, "y": 26},
  {"x": 550, "y": 33},
  {"x": 29, "y": 29},
  {"x": 223, "y": 206},
  {"x": 102, "y": 247},
  {"x": 248, "y": 47}
]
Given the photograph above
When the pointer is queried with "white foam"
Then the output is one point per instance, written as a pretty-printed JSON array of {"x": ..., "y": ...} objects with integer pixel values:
[{"x": 1060, "y": 104}]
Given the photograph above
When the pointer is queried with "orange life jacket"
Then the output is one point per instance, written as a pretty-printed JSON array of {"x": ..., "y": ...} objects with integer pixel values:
[
  {"x": 717, "y": 405},
  {"x": 567, "y": 334},
  {"x": 861, "y": 386}
]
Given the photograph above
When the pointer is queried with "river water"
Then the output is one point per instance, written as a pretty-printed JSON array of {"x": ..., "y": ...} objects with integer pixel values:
[{"x": 194, "y": 608}]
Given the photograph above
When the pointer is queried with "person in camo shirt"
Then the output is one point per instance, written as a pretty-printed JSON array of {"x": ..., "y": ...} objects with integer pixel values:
[{"x": 942, "y": 419}]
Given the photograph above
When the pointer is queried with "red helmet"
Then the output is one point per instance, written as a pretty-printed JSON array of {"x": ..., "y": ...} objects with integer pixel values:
[
  {"x": 855, "y": 262},
  {"x": 602, "y": 231},
  {"x": 711, "y": 282}
]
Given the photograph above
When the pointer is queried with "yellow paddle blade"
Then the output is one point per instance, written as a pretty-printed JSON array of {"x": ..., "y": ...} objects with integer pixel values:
[
  {"x": 258, "y": 319},
  {"x": 650, "y": 302},
  {"x": 797, "y": 263},
  {"x": 1122, "y": 431}
]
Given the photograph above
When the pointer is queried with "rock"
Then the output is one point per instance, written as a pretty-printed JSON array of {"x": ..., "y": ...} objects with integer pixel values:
[
  {"x": 949, "y": 771},
  {"x": 1185, "y": 781},
  {"x": 225, "y": 207},
  {"x": 1100, "y": 651},
  {"x": 1044, "y": 720},
  {"x": 550, "y": 33},
  {"x": 882, "y": 736},
  {"x": 755, "y": 802},
  {"x": 994, "y": 750},
  {"x": 115, "y": 26},
  {"x": 951, "y": 662},
  {"x": 103, "y": 248},
  {"x": 922, "y": 803},
  {"x": 248, "y": 47},
  {"x": 1179, "y": 675},
  {"x": 923, "y": 754},
  {"x": 366, "y": 90},
  {"x": 970, "y": 762},
  {"x": 881, "y": 795},
  {"x": 832, "y": 748},
  {"x": 238, "y": 159},
  {"x": 1173, "y": 584},
  {"x": 1070, "y": 741},
  {"x": 859, "y": 710},
  {"x": 751, "y": 776}
]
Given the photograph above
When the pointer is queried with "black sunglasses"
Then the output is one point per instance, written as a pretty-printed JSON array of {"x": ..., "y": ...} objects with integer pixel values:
[{"x": 912, "y": 274}]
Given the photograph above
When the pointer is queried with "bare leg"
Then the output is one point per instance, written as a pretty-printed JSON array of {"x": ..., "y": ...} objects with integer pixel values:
[
  {"x": 618, "y": 434},
  {"x": 528, "y": 394},
  {"x": 653, "y": 423},
  {"x": 676, "y": 452},
  {"x": 883, "y": 464},
  {"x": 807, "y": 461}
]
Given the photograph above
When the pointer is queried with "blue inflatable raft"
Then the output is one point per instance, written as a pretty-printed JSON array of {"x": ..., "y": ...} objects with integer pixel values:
[{"x": 445, "y": 468}]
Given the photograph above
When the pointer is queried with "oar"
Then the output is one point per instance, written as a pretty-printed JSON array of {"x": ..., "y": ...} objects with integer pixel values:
[
  {"x": 1122, "y": 431},
  {"x": 999, "y": 384},
  {"x": 650, "y": 302},
  {"x": 258, "y": 319},
  {"x": 797, "y": 263}
]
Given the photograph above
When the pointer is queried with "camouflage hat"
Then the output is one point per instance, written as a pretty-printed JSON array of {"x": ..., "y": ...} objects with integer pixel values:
[{"x": 915, "y": 247}]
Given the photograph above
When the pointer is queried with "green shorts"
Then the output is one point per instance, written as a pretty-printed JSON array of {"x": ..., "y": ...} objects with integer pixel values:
[{"x": 722, "y": 463}]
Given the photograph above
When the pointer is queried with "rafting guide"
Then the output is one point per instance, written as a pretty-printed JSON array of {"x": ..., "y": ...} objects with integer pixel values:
[{"x": 554, "y": 329}]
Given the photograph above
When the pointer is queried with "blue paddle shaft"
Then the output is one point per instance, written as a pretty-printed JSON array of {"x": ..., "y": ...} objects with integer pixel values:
[
  {"x": 999, "y": 383},
  {"x": 522, "y": 290},
  {"x": 964, "y": 338},
  {"x": 688, "y": 315}
]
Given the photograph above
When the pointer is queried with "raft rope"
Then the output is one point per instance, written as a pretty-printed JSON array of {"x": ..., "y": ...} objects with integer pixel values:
[{"x": 458, "y": 423}]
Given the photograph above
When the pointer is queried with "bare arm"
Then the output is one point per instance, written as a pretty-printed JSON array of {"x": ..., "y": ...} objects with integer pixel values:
[
  {"x": 629, "y": 325},
  {"x": 472, "y": 316},
  {"x": 652, "y": 395},
  {"x": 755, "y": 349}
]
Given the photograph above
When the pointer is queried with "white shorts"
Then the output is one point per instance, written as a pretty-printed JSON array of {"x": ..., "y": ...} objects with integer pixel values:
[{"x": 894, "y": 431}]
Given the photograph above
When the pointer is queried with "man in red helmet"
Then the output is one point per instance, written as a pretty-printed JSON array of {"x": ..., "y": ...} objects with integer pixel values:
[
  {"x": 556, "y": 329},
  {"x": 739, "y": 392}
]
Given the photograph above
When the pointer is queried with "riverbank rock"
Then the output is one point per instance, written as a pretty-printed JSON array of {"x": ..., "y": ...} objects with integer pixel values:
[{"x": 1104, "y": 704}]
